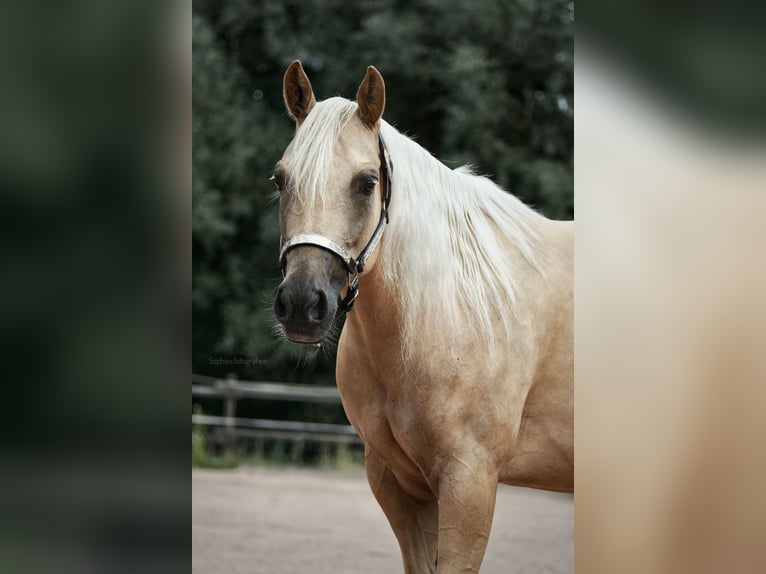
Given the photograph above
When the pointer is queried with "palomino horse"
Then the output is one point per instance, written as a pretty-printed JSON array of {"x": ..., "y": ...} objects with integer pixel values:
[{"x": 456, "y": 363}]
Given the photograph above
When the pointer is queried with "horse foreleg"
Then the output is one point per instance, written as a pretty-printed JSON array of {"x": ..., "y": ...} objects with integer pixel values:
[
  {"x": 467, "y": 491},
  {"x": 414, "y": 521}
]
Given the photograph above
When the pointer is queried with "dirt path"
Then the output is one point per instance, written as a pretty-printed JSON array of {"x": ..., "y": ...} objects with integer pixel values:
[{"x": 256, "y": 521}]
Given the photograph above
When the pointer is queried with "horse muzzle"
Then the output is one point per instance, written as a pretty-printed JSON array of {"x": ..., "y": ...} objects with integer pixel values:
[{"x": 305, "y": 305}]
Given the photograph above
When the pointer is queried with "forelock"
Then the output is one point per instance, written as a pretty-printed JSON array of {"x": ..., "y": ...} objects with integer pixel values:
[{"x": 310, "y": 170}]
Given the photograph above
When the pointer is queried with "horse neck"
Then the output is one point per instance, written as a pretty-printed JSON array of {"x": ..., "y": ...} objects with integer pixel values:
[
  {"x": 376, "y": 318},
  {"x": 455, "y": 250},
  {"x": 377, "y": 321}
]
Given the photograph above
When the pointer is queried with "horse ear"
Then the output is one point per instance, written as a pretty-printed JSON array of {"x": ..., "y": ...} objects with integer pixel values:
[
  {"x": 297, "y": 91},
  {"x": 371, "y": 97}
]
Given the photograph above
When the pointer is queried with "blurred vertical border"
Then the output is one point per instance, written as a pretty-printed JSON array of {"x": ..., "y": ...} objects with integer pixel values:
[
  {"x": 670, "y": 319},
  {"x": 95, "y": 147}
]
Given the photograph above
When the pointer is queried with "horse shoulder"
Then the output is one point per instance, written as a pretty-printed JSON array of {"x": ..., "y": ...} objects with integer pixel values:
[{"x": 543, "y": 455}]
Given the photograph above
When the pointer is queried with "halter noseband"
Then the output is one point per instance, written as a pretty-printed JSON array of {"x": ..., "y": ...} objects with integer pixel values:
[{"x": 353, "y": 266}]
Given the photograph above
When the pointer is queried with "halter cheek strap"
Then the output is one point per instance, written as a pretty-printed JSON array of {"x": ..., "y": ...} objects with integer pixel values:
[{"x": 353, "y": 266}]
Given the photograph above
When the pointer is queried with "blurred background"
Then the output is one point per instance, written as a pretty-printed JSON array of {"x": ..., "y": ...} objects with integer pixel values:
[
  {"x": 488, "y": 83},
  {"x": 95, "y": 146},
  {"x": 670, "y": 320}
]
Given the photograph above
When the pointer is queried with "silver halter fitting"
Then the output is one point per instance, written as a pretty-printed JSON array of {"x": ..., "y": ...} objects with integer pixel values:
[{"x": 353, "y": 266}]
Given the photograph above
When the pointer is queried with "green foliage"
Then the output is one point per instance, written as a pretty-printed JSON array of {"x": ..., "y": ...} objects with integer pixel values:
[
  {"x": 276, "y": 454},
  {"x": 201, "y": 458},
  {"x": 487, "y": 82}
]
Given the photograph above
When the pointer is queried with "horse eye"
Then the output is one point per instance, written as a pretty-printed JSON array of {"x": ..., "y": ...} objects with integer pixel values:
[{"x": 369, "y": 186}]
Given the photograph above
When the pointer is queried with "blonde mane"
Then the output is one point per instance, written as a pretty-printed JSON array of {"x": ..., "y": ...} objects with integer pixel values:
[
  {"x": 442, "y": 248},
  {"x": 442, "y": 252}
]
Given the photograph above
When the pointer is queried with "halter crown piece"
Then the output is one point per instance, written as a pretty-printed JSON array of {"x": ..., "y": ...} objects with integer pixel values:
[{"x": 353, "y": 266}]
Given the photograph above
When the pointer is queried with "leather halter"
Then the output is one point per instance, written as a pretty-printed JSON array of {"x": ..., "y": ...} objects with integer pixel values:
[{"x": 353, "y": 266}]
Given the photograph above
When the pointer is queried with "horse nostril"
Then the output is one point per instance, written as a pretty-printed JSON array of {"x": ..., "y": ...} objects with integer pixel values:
[
  {"x": 300, "y": 308},
  {"x": 316, "y": 309},
  {"x": 282, "y": 306}
]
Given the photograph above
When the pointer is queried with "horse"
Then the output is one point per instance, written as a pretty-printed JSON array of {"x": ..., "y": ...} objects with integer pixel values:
[{"x": 455, "y": 361}]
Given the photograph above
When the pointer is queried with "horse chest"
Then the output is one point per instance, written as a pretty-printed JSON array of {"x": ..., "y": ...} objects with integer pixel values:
[
  {"x": 393, "y": 427},
  {"x": 373, "y": 411}
]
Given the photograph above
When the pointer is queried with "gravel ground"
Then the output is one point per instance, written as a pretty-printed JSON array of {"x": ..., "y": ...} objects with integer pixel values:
[{"x": 259, "y": 521}]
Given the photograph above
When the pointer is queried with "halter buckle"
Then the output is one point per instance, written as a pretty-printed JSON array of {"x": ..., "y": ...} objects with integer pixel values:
[{"x": 347, "y": 303}]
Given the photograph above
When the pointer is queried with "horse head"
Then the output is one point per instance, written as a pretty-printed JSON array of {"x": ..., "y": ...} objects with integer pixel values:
[{"x": 333, "y": 193}]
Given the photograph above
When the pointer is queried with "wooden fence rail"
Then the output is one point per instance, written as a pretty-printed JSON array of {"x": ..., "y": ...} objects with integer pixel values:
[{"x": 230, "y": 426}]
